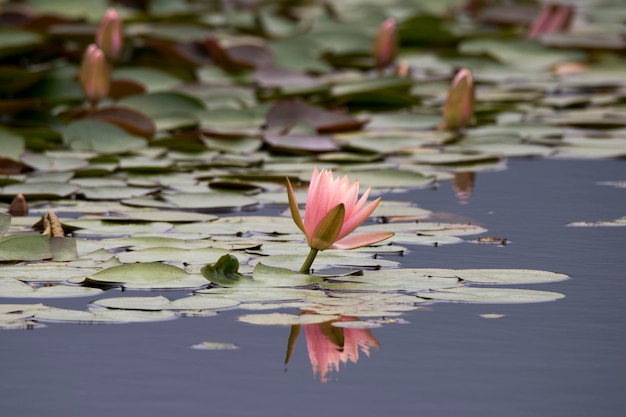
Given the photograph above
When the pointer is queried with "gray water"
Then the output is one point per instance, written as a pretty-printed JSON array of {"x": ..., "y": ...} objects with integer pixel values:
[{"x": 563, "y": 358}]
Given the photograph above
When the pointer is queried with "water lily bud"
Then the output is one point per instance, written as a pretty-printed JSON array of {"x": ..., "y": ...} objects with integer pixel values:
[
  {"x": 458, "y": 110},
  {"x": 95, "y": 74},
  {"x": 385, "y": 46},
  {"x": 109, "y": 36}
]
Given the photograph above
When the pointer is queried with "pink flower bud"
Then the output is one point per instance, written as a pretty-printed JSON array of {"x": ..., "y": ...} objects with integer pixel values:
[
  {"x": 110, "y": 36},
  {"x": 458, "y": 110},
  {"x": 385, "y": 46},
  {"x": 95, "y": 74}
]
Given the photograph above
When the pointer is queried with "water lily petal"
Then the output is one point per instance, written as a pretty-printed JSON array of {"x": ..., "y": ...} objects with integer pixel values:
[
  {"x": 328, "y": 229},
  {"x": 350, "y": 224},
  {"x": 361, "y": 239},
  {"x": 293, "y": 207}
]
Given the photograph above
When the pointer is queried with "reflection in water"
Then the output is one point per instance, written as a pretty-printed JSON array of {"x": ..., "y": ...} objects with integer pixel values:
[
  {"x": 463, "y": 184},
  {"x": 329, "y": 345}
]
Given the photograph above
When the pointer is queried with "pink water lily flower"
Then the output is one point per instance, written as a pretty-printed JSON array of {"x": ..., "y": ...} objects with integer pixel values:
[{"x": 333, "y": 211}]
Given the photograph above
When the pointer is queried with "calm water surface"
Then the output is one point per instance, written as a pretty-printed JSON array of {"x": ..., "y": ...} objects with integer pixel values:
[{"x": 564, "y": 358}]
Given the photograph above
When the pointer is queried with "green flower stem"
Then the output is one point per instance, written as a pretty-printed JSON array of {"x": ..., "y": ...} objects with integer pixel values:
[{"x": 306, "y": 266}]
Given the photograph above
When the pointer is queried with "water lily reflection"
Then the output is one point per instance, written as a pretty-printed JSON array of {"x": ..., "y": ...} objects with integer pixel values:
[
  {"x": 463, "y": 185},
  {"x": 329, "y": 346}
]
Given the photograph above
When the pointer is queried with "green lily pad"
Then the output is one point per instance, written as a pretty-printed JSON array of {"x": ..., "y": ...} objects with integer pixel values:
[
  {"x": 392, "y": 178},
  {"x": 508, "y": 276},
  {"x": 261, "y": 294},
  {"x": 60, "y": 315},
  {"x": 153, "y": 79},
  {"x": 12, "y": 145},
  {"x": 44, "y": 272},
  {"x": 25, "y": 248},
  {"x": 408, "y": 280},
  {"x": 283, "y": 319},
  {"x": 282, "y": 277},
  {"x": 48, "y": 163},
  {"x": 167, "y": 254},
  {"x": 203, "y": 302},
  {"x": 39, "y": 190},
  {"x": 114, "y": 193},
  {"x": 5, "y": 223},
  {"x": 100, "y": 137},
  {"x": 135, "y": 303},
  {"x": 491, "y": 295},
  {"x": 153, "y": 275},
  {"x": 210, "y": 200},
  {"x": 214, "y": 346},
  {"x": 14, "y": 288}
]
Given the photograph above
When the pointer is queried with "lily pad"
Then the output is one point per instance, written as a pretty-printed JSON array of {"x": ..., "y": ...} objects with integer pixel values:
[
  {"x": 508, "y": 276},
  {"x": 284, "y": 319},
  {"x": 152, "y": 275},
  {"x": 101, "y": 137},
  {"x": 491, "y": 295},
  {"x": 214, "y": 346},
  {"x": 13, "y": 288},
  {"x": 25, "y": 248},
  {"x": 60, "y": 315}
]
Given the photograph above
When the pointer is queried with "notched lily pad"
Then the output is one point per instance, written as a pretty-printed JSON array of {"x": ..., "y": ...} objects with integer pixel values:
[
  {"x": 508, "y": 276},
  {"x": 152, "y": 275}
]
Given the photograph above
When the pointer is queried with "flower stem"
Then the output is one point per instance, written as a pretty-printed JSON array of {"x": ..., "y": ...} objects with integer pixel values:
[{"x": 306, "y": 266}]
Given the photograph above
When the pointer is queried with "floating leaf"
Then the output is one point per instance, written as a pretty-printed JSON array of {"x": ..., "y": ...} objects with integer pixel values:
[
  {"x": 203, "y": 302},
  {"x": 283, "y": 319},
  {"x": 153, "y": 275},
  {"x": 5, "y": 223},
  {"x": 281, "y": 277},
  {"x": 168, "y": 254},
  {"x": 135, "y": 303},
  {"x": 44, "y": 272},
  {"x": 25, "y": 248},
  {"x": 60, "y": 315},
  {"x": 40, "y": 190},
  {"x": 14, "y": 288},
  {"x": 508, "y": 276},
  {"x": 491, "y": 295},
  {"x": 210, "y": 200},
  {"x": 214, "y": 346},
  {"x": 101, "y": 137},
  {"x": 132, "y": 121},
  {"x": 409, "y": 280}
]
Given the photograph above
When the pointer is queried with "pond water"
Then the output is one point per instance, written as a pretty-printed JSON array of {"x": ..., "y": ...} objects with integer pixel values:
[{"x": 561, "y": 358}]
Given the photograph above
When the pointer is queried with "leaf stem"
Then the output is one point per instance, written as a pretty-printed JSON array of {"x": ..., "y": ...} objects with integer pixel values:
[{"x": 306, "y": 266}]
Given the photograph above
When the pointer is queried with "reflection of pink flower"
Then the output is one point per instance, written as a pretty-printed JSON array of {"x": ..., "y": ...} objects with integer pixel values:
[
  {"x": 330, "y": 346},
  {"x": 109, "y": 36},
  {"x": 333, "y": 212},
  {"x": 95, "y": 74}
]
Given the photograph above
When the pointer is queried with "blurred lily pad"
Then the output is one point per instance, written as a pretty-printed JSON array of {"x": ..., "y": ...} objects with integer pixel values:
[{"x": 101, "y": 137}]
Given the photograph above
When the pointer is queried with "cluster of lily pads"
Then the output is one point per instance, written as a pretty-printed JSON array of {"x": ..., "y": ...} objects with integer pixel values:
[
  {"x": 213, "y": 104},
  {"x": 244, "y": 262}
]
